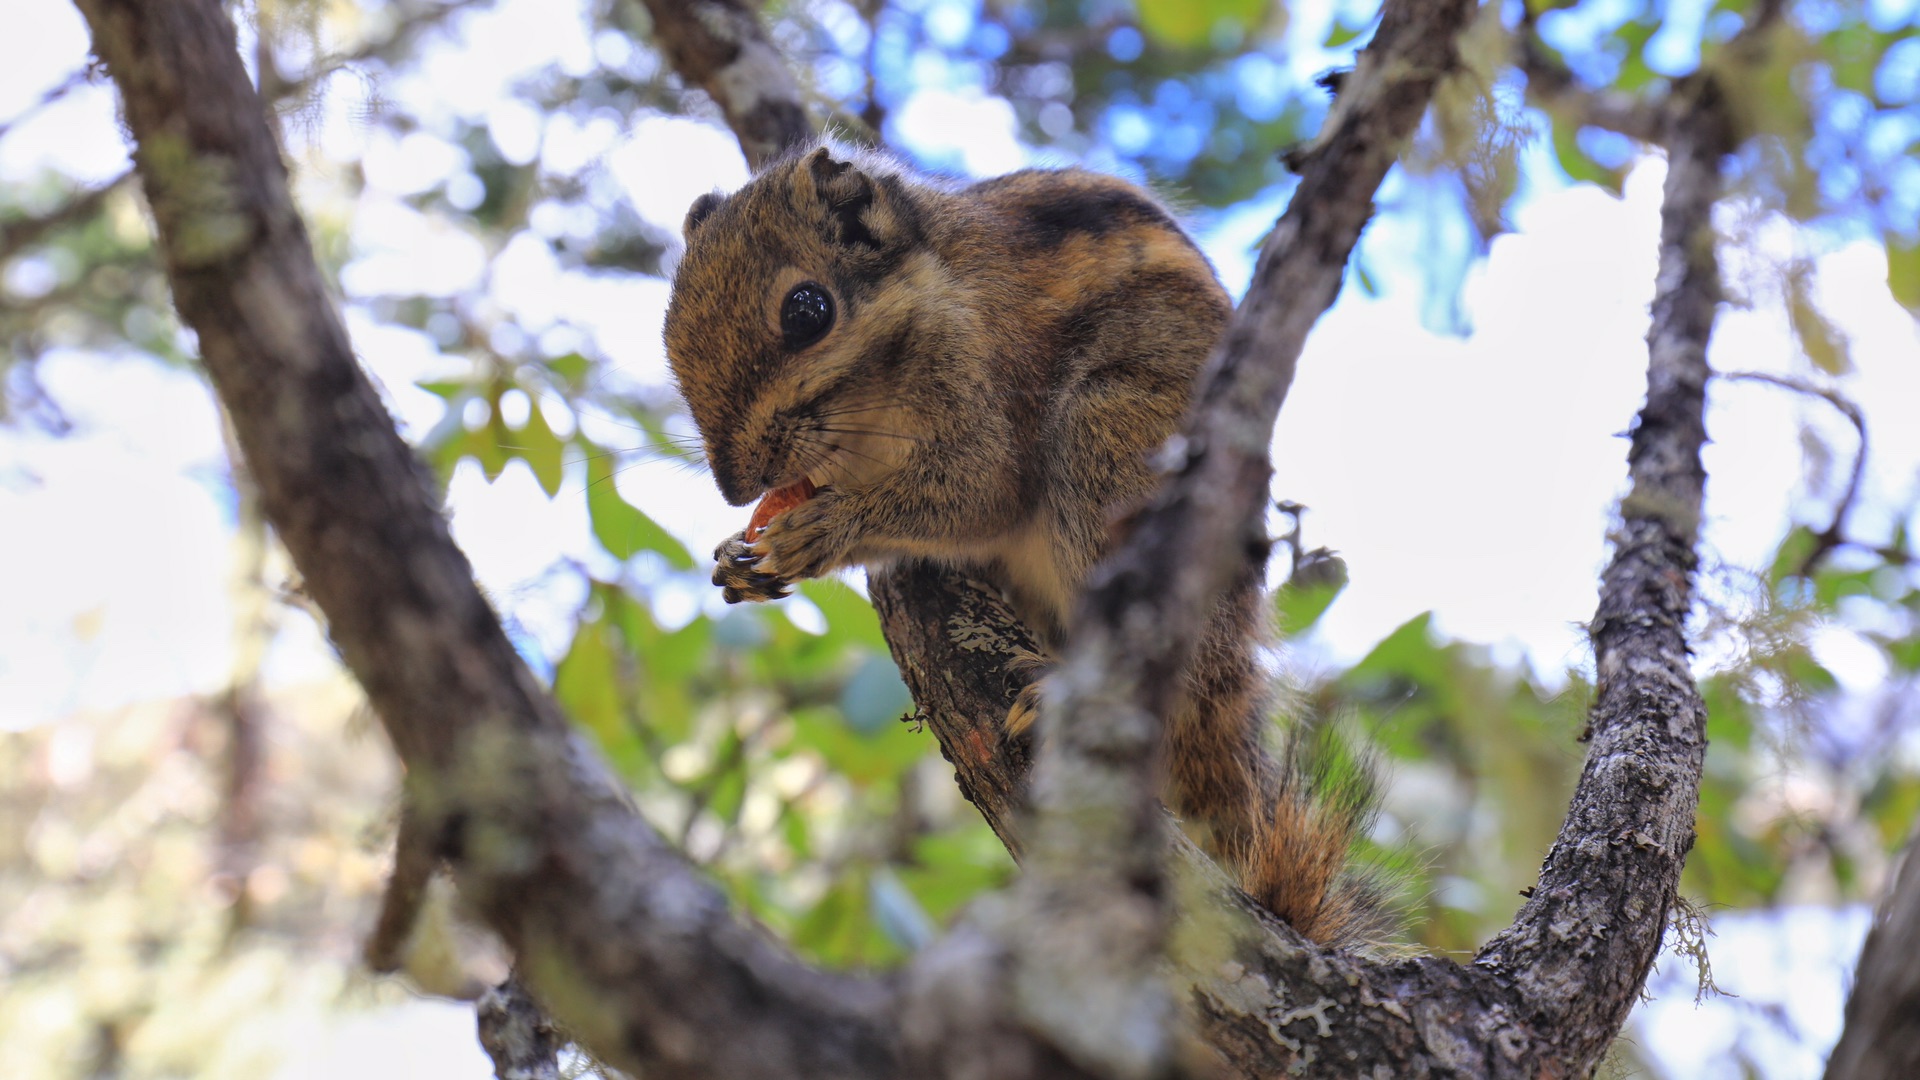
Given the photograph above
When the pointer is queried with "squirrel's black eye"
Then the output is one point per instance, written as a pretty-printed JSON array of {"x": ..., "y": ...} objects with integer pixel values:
[{"x": 807, "y": 315}]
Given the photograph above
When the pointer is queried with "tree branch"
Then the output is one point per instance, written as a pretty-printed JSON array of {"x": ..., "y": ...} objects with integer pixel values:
[
  {"x": 1098, "y": 835},
  {"x": 1835, "y": 534},
  {"x": 416, "y": 855},
  {"x": 719, "y": 46},
  {"x": 521, "y": 1041},
  {"x": 74, "y": 81},
  {"x": 1555, "y": 89},
  {"x": 18, "y": 234},
  {"x": 628, "y": 945},
  {"x": 1880, "y": 1038},
  {"x": 957, "y": 646},
  {"x": 1581, "y": 946}
]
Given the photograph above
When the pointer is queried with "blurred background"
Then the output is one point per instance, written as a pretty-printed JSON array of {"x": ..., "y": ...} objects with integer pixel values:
[{"x": 196, "y": 810}]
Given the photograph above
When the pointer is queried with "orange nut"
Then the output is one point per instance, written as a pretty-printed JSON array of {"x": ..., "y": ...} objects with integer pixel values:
[{"x": 777, "y": 502}]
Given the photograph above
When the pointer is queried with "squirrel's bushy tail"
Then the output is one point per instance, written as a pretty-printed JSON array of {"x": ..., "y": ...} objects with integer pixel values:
[
  {"x": 1320, "y": 796},
  {"x": 1283, "y": 819}
]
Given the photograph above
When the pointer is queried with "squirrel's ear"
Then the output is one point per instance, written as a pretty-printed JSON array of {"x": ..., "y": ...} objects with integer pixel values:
[
  {"x": 854, "y": 203},
  {"x": 702, "y": 208}
]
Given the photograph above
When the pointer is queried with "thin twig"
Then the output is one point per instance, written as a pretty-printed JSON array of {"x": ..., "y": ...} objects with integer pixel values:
[
  {"x": 1556, "y": 88},
  {"x": 1835, "y": 534},
  {"x": 416, "y": 855},
  {"x": 74, "y": 81},
  {"x": 21, "y": 233}
]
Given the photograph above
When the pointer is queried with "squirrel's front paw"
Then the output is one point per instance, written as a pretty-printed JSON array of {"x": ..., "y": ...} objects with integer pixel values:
[
  {"x": 737, "y": 570},
  {"x": 804, "y": 542}
]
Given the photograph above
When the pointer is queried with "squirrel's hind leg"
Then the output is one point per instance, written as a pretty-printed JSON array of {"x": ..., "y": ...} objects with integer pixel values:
[{"x": 1034, "y": 667}]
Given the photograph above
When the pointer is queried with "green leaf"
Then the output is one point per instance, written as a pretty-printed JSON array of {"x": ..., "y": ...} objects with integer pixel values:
[
  {"x": 587, "y": 684},
  {"x": 1577, "y": 165},
  {"x": 1823, "y": 342},
  {"x": 484, "y": 447},
  {"x": 572, "y": 367},
  {"x": 1808, "y": 673},
  {"x": 1340, "y": 33},
  {"x": 1634, "y": 72},
  {"x": 1854, "y": 50},
  {"x": 1299, "y": 608},
  {"x": 669, "y": 662},
  {"x": 951, "y": 868},
  {"x": 453, "y": 391},
  {"x": 864, "y": 760},
  {"x": 849, "y": 616},
  {"x": 620, "y": 526},
  {"x": 1368, "y": 286},
  {"x": 537, "y": 445},
  {"x": 1729, "y": 721},
  {"x": 1905, "y": 653},
  {"x": 1408, "y": 652},
  {"x": 1190, "y": 24},
  {"x": 1903, "y": 273},
  {"x": 824, "y": 929},
  {"x": 1829, "y": 586},
  {"x": 1892, "y": 805},
  {"x": 1792, "y": 554}
]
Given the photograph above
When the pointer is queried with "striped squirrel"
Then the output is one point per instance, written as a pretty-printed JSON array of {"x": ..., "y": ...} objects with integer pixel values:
[{"x": 978, "y": 374}]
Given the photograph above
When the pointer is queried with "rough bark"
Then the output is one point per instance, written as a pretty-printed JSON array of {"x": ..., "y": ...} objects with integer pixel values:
[
  {"x": 932, "y": 617},
  {"x": 631, "y": 947},
  {"x": 520, "y": 1040},
  {"x": 720, "y": 46},
  {"x": 1581, "y": 947},
  {"x": 1882, "y": 1038}
]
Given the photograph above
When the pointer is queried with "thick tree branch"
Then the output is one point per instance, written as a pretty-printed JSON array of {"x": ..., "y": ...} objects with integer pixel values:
[
  {"x": 1098, "y": 836},
  {"x": 958, "y": 648},
  {"x": 1881, "y": 1038},
  {"x": 720, "y": 46},
  {"x": 1581, "y": 947},
  {"x": 632, "y": 948}
]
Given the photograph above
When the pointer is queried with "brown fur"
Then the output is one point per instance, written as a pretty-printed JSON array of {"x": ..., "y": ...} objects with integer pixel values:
[{"x": 1004, "y": 358}]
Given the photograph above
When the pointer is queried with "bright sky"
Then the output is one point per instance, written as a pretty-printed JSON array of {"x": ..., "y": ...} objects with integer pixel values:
[{"x": 1473, "y": 477}]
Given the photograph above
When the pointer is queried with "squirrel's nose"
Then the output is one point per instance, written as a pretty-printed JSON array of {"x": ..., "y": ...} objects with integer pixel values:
[{"x": 737, "y": 488}]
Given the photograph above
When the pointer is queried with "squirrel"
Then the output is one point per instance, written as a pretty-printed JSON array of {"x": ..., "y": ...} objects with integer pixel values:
[{"x": 979, "y": 374}]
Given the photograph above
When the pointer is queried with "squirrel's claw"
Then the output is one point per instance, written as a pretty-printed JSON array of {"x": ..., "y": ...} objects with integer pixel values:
[
  {"x": 808, "y": 541},
  {"x": 737, "y": 571},
  {"x": 1026, "y": 707}
]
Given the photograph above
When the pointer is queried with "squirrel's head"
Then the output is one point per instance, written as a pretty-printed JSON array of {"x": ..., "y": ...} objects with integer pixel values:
[{"x": 786, "y": 327}]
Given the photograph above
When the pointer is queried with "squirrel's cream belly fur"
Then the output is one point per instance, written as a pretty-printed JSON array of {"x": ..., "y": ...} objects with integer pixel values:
[{"x": 980, "y": 374}]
